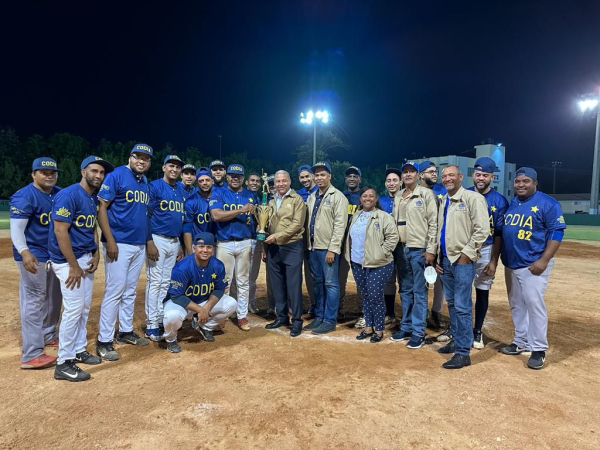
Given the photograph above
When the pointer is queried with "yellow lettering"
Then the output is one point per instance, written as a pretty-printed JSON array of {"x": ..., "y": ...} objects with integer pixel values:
[
  {"x": 44, "y": 218},
  {"x": 529, "y": 223}
]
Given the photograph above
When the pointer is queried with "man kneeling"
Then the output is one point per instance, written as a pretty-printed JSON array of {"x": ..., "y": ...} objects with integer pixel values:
[{"x": 197, "y": 288}]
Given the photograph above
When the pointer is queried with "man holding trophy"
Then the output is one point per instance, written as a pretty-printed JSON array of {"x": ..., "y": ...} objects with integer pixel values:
[{"x": 285, "y": 215}]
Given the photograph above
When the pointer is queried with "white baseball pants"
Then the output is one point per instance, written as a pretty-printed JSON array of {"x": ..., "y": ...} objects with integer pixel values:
[
  {"x": 255, "y": 260},
  {"x": 235, "y": 255},
  {"x": 482, "y": 281}
]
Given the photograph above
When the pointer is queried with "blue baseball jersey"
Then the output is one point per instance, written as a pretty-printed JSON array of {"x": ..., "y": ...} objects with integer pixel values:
[
  {"x": 128, "y": 210},
  {"x": 188, "y": 192},
  {"x": 497, "y": 206},
  {"x": 197, "y": 217},
  {"x": 353, "y": 201},
  {"x": 304, "y": 193},
  {"x": 439, "y": 192},
  {"x": 215, "y": 186},
  {"x": 166, "y": 208},
  {"x": 196, "y": 282},
  {"x": 29, "y": 203},
  {"x": 242, "y": 226},
  {"x": 75, "y": 206},
  {"x": 528, "y": 225},
  {"x": 387, "y": 203}
]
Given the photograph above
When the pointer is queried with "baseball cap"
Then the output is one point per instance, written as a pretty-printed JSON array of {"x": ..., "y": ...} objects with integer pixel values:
[
  {"x": 202, "y": 171},
  {"x": 412, "y": 164},
  {"x": 393, "y": 170},
  {"x": 108, "y": 167},
  {"x": 304, "y": 167},
  {"x": 174, "y": 158},
  {"x": 235, "y": 169},
  {"x": 271, "y": 179},
  {"x": 526, "y": 171},
  {"x": 142, "y": 148},
  {"x": 322, "y": 165},
  {"x": 485, "y": 164},
  {"x": 424, "y": 165},
  {"x": 355, "y": 170},
  {"x": 205, "y": 237},
  {"x": 216, "y": 163},
  {"x": 44, "y": 163},
  {"x": 189, "y": 167}
]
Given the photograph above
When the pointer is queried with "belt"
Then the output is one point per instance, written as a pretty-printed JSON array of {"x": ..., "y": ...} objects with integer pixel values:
[
  {"x": 234, "y": 240},
  {"x": 401, "y": 223},
  {"x": 166, "y": 237}
]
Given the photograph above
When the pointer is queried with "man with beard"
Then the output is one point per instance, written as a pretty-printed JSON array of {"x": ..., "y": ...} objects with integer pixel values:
[
  {"x": 188, "y": 180},
  {"x": 123, "y": 219},
  {"x": 218, "y": 172},
  {"x": 197, "y": 217}
]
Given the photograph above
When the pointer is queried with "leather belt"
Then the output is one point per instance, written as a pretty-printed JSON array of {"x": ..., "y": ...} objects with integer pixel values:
[{"x": 234, "y": 240}]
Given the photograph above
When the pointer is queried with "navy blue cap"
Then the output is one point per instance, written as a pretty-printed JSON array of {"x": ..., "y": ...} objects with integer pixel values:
[
  {"x": 355, "y": 170},
  {"x": 189, "y": 167},
  {"x": 143, "y": 148},
  {"x": 44, "y": 163},
  {"x": 527, "y": 171},
  {"x": 393, "y": 170},
  {"x": 321, "y": 165},
  {"x": 304, "y": 167},
  {"x": 485, "y": 164},
  {"x": 108, "y": 167},
  {"x": 206, "y": 238},
  {"x": 235, "y": 169},
  {"x": 215, "y": 163},
  {"x": 424, "y": 165},
  {"x": 174, "y": 158},
  {"x": 204, "y": 168},
  {"x": 412, "y": 164},
  {"x": 202, "y": 171}
]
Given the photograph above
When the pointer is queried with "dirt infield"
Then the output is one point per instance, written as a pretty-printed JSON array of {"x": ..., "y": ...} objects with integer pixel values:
[{"x": 263, "y": 389}]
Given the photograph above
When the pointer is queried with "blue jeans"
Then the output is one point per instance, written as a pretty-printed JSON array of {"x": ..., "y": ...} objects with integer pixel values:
[
  {"x": 457, "y": 281},
  {"x": 326, "y": 285},
  {"x": 414, "y": 292}
]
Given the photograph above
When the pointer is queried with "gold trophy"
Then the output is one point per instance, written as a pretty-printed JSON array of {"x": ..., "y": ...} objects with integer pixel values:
[{"x": 263, "y": 211}]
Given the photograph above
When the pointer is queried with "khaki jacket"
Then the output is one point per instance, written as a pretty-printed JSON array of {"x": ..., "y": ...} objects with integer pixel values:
[
  {"x": 381, "y": 239},
  {"x": 421, "y": 219},
  {"x": 467, "y": 224},
  {"x": 330, "y": 222},
  {"x": 287, "y": 223}
]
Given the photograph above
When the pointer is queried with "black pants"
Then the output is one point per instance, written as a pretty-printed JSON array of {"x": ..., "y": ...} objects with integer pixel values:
[{"x": 284, "y": 264}]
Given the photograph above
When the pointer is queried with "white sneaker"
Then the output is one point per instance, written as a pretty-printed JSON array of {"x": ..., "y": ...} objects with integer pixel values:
[
  {"x": 445, "y": 336},
  {"x": 478, "y": 340},
  {"x": 360, "y": 323}
]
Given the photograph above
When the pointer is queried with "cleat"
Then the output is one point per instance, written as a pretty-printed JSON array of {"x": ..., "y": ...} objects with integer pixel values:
[
  {"x": 536, "y": 360},
  {"x": 131, "y": 337},
  {"x": 70, "y": 372},
  {"x": 207, "y": 335},
  {"x": 153, "y": 334},
  {"x": 86, "y": 357},
  {"x": 106, "y": 351},
  {"x": 52, "y": 343},
  {"x": 513, "y": 350},
  {"x": 173, "y": 347},
  {"x": 39, "y": 362},
  {"x": 243, "y": 324}
]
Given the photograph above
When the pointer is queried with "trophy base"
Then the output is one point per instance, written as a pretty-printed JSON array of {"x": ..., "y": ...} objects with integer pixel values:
[{"x": 261, "y": 236}]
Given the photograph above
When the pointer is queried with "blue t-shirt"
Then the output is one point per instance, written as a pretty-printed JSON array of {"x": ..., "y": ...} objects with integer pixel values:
[
  {"x": 188, "y": 192},
  {"x": 353, "y": 202},
  {"x": 197, "y": 217},
  {"x": 29, "y": 203},
  {"x": 76, "y": 207},
  {"x": 313, "y": 216},
  {"x": 128, "y": 210},
  {"x": 240, "y": 227},
  {"x": 166, "y": 208},
  {"x": 528, "y": 225},
  {"x": 387, "y": 203},
  {"x": 195, "y": 282},
  {"x": 304, "y": 193},
  {"x": 497, "y": 206}
]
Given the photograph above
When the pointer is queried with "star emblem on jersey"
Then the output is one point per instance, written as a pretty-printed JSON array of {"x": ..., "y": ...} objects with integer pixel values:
[
  {"x": 440, "y": 196},
  {"x": 63, "y": 212},
  {"x": 214, "y": 276},
  {"x": 534, "y": 209},
  {"x": 493, "y": 208},
  {"x": 251, "y": 200}
]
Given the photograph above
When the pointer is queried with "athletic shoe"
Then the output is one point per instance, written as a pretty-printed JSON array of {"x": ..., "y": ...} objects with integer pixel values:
[
  {"x": 445, "y": 336},
  {"x": 39, "y": 362},
  {"x": 314, "y": 324},
  {"x": 131, "y": 337},
  {"x": 457, "y": 362},
  {"x": 324, "y": 328},
  {"x": 243, "y": 324},
  {"x": 86, "y": 357},
  {"x": 153, "y": 334},
  {"x": 478, "y": 340},
  {"x": 52, "y": 343},
  {"x": 70, "y": 372},
  {"x": 253, "y": 308},
  {"x": 536, "y": 360},
  {"x": 106, "y": 351},
  {"x": 514, "y": 349},
  {"x": 360, "y": 323},
  {"x": 389, "y": 320},
  {"x": 415, "y": 342},
  {"x": 173, "y": 347},
  {"x": 207, "y": 335},
  {"x": 401, "y": 336}
]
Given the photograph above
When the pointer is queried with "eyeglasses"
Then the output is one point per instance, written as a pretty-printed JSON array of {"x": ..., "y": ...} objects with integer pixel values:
[
  {"x": 141, "y": 158},
  {"x": 431, "y": 172}
]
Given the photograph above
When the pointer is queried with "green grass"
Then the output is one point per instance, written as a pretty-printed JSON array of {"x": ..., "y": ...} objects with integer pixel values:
[
  {"x": 4, "y": 220},
  {"x": 583, "y": 232}
]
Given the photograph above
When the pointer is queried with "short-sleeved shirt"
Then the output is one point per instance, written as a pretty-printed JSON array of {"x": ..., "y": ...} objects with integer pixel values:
[
  {"x": 497, "y": 206},
  {"x": 166, "y": 208},
  {"x": 304, "y": 193},
  {"x": 196, "y": 282},
  {"x": 31, "y": 204},
  {"x": 241, "y": 226},
  {"x": 128, "y": 196},
  {"x": 76, "y": 207},
  {"x": 197, "y": 217}
]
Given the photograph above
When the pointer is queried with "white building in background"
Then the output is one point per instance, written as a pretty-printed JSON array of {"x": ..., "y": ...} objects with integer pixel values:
[
  {"x": 503, "y": 179},
  {"x": 573, "y": 203}
]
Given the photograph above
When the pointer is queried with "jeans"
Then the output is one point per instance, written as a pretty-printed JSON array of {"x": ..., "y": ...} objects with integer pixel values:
[
  {"x": 414, "y": 293},
  {"x": 326, "y": 285},
  {"x": 457, "y": 281}
]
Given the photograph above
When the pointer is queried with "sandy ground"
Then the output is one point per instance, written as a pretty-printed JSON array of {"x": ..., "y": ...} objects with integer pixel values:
[{"x": 263, "y": 389}]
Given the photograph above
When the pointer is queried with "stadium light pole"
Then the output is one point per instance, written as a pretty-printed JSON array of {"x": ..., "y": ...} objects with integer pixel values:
[
  {"x": 555, "y": 164},
  {"x": 590, "y": 102},
  {"x": 311, "y": 119}
]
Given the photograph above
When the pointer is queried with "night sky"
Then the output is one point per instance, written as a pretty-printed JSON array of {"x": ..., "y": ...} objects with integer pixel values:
[{"x": 401, "y": 79}]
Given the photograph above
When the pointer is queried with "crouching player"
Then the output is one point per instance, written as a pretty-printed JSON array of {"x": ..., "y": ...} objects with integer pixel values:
[{"x": 197, "y": 289}]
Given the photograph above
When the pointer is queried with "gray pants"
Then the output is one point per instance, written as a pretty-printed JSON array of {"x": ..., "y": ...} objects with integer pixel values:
[
  {"x": 40, "y": 300},
  {"x": 438, "y": 295}
]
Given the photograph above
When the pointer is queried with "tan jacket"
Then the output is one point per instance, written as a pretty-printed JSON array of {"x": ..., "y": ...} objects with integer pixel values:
[
  {"x": 467, "y": 224},
  {"x": 287, "y": 223},
  {"x": 381, "y": 239},
  {"x": 330, "y": 222},
  {"x": 420, "y": 224}
]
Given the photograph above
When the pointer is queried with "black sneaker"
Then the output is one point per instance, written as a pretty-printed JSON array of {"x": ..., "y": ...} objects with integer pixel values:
[
  {"x": 106, "y": 351},
  {"x": 173, "y": 347},
  {"x": 536, "y": 360},
  {"x": 131, "y": 337},
  {"x": 401, "y": 336},
  {"x": 86, "y": 357},
  {"x": 207, "y": 335},
  {"x": 415, "y": 342},
  {"x": 314, "y": 324},
  {"x": 513, "y": 349},
  {"x": 70, "y": 372}
]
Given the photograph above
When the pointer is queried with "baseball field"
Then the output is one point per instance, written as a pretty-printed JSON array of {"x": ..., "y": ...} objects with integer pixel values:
[{"x": 263, "y": 389}]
